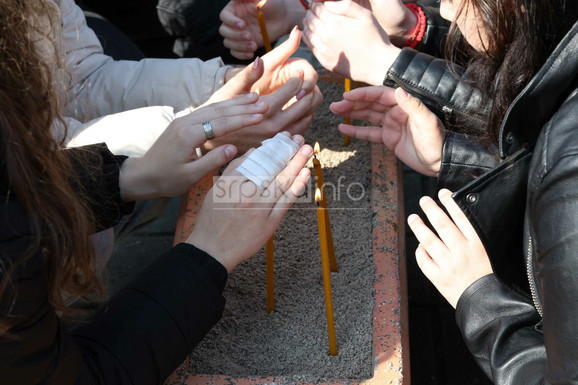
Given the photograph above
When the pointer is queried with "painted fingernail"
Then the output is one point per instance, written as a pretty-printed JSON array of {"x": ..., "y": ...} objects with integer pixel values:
[{"x": 300, "y": 94}]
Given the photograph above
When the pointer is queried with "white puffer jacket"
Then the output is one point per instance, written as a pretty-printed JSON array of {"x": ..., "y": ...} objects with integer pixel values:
[{"x": 98, "y": 86}]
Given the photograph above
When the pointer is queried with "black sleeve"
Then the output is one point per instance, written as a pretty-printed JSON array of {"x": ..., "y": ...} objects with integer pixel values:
[
  {"x": 139, "y": 336},
  {"x": 434, "y": 82},
  {"x": 463, "y": 160},
  {"x": 96, "y": 177}
]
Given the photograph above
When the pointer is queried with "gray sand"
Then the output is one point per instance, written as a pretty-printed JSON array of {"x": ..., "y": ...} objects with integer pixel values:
[{"x": 292, "y": 341}]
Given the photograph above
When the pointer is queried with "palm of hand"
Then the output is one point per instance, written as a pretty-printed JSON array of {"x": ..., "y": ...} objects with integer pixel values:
[{"x": 416, "y": 144}]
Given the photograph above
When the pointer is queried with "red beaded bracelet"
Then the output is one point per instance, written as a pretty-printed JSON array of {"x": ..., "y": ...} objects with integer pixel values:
[{"x": 419, "y": 30}]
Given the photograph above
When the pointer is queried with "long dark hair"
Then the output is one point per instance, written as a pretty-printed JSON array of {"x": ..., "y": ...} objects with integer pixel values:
[
  {"x": 34, "y": 171},
  {"x": 521, "y": 34}
]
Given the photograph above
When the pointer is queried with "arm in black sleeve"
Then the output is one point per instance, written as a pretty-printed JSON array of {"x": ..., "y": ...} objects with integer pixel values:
[
  {"x": 148, "y": 328},
  {"x": 139, "y": 336},
  {"x": 464, "y": 159},
  {"x": 96, "y": 176},
  {"x": 458, "y": 104}
]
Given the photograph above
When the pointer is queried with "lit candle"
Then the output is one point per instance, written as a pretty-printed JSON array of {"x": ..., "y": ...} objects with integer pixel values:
[
  {"x": 323, "y": 203},
  {"x": 326, "y": 274},
  {"x": 263, "y": 26},
  {"x": 270, "y": 282},
  {"x": 347, "y": 120}
]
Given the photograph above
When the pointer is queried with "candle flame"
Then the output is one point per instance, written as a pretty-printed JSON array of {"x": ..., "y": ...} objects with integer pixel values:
[
  {"x": 261, "y": 3},
  {"x": 317, "y": 195},
  {"x": 316, "y": 149}
]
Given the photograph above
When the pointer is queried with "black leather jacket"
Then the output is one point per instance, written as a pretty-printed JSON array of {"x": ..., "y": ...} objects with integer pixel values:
[{"x": 520, "y": 322}]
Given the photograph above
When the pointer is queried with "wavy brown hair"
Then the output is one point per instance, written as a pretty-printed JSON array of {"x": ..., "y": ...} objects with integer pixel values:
[
  {"x": 520, "y": 35},
  {"x": 35, "y": 172}
]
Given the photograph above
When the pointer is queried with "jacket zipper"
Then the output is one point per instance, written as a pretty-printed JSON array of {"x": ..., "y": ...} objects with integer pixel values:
[
  {"x": 445, "y": 109},
  {"x": 531, "y": 280}
]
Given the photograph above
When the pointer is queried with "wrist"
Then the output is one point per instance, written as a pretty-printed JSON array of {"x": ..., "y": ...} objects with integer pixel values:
[
  {"x": 418, "y": 32},
  {"x": 405, "y": 29},
  {"x": 202, "y": 242},
  {"x": 377, "y": 74},
  {"x": 134, "y": 181}
]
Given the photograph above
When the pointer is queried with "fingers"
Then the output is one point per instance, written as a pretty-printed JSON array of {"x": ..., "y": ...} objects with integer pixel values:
[
  {"x": 426, "y": 263},
  {"x": 457, "y": 214},
  {"x": 449, "y": 233},
  {"x": 237, "y": 38},
  {"x": 244, "y": 80},
  {"x": 369, "y": 133},
  {"x": 295, "y": 190},
  {"x": 431, "y": 243},
  {"x": 283, "y": 181},
  {"x": 224, "y": 117},
  {"x": 213, "y": 160},
  {"x": 282, "y": 52},
  {"x": 411, "y": 105}
]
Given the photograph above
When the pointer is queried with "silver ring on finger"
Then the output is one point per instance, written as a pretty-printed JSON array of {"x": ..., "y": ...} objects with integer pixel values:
[{"x": 208, "y": 129}]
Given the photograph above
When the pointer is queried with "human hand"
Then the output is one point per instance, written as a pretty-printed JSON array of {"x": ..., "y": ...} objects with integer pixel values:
[
  {"x": 394, "y": 17},
  {"x": 403, "y": 123},
  {"x": 287, "y": 86},
  {"x": 170, "y": 167},
  {"x": 238, "y": 230},
  {"x": 240, "y": 28},
  {"x": 455, "y": 259},
  {"x": 346, "y": 38}
]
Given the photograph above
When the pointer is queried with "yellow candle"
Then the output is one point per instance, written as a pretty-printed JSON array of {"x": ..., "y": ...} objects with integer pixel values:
[
  {"x": 263, "y": 26},
  {"x": 326, "y": 275},
  {"x": 346, "y": 120},
  {"x": 323, "y": 203},
  {"x": 270, "y": 282}
]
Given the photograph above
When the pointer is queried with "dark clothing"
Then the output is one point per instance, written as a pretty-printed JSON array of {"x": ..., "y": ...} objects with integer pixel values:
[
  {"x": 522, "y": 329},
  {"x": 168, "y": 28},
  {"x": 139, "y": 336}
]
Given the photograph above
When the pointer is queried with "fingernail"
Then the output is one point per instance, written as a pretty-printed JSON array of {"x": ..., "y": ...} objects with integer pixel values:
[
  {"x": 230, "y": 151},
  {"x": 300, "y": 94},
  {"x": 402, "y": 92},
  {"x": 411, "y": 218},
  {"x": 306, "y": 150},
  {"x": 443, "y": 192},
  {"x": 257, "y": 116},
  {"x": 256, "y": 62},
  {"x": 260, "y": 104}
]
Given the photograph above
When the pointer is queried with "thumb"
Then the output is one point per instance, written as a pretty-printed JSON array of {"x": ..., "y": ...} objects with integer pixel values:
[
  {"x": 214, "y": 159},
  {"x": 281, "y": 53},
  {"x": 411, "y": 105},
  {"x": 244, "y": 80}
]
